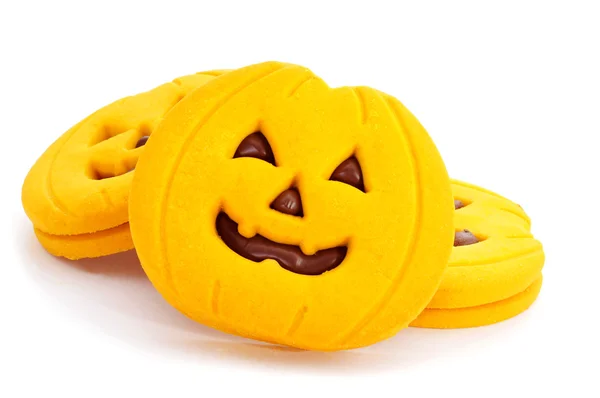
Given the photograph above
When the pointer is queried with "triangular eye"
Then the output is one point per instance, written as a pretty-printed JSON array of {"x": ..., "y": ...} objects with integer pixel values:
[
  {"x": 349, "y": 172},
  {"x": 142, "y": 141},
  {"x": 255, "y": 146}
]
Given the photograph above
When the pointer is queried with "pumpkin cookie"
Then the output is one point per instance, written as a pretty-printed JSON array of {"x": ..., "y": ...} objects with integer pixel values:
[
  {"x": 495, "y": 266},
  {"x": 272, "y": 206},
  {"x": 76, "y": 194}
]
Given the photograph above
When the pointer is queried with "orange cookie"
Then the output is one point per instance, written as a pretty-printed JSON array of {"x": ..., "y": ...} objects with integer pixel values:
[
  {"x": 495, "y": 266},
  {"x": 76, "y": 194},
  {"x": 272, "y": 206}
]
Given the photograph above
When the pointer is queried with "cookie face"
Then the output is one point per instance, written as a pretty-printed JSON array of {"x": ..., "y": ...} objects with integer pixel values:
[
  {"x": 271, "y": 213},
  {"x": 495, "y": 260},
  {"x": 80, "y": 185}
]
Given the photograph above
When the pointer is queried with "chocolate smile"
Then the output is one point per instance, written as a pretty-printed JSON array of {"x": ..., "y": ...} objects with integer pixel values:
[{"x": 290, "y": 257}]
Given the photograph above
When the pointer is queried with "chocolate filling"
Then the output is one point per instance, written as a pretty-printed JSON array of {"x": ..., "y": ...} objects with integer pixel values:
[
  {"x": 349, "y": 172},
  {"x": 289, "y": 202},
  {"x": 290, "y": 257},
  {"x": 464, "y": 238},
  {"x": 458, "y": 204},
  {"x": 142, "y": 141},
  {"x": 255, "y": 146}
]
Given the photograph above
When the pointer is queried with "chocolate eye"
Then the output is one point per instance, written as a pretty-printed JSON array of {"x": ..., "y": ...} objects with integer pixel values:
[
  {"x": 142, "y": 141},
  {"x": 255, "y": 146},
  {"x": 464, "y": 238},
  {"x": 349, "y": 172},
  {"x": 458, "y": 204}
]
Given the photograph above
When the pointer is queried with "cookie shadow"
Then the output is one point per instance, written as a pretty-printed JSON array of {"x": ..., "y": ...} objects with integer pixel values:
[{"x": 113, "y": 294}]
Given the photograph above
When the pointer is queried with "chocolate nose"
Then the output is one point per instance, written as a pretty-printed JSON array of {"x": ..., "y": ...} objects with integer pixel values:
[{"x": 288, "y": 202}]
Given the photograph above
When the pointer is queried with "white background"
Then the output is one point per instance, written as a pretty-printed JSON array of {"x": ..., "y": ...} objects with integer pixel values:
[{"x": 510, "y": 92}]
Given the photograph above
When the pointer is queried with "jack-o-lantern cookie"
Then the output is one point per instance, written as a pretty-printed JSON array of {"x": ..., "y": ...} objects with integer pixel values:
[
  {"x": 495, "y": 266},
  {"x": 76, "y": 194},
  {"x": 272, "y": 206}
]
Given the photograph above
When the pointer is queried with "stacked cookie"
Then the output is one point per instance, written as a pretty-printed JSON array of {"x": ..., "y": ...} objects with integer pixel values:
[
  {"x": 76, "y": 194},
  {"x": 495, "y": 269},
  {"x": 266, "y": 204}
]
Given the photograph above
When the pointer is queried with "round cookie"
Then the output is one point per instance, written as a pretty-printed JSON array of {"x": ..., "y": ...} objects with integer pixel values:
[
  {"x": 290, "y": 212},
  {"x": 95, "y": 244},
  {"x": 76, "y": 194},
  {"x": 480, "y": 315},
  {"x": 495, "y": 266}
]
